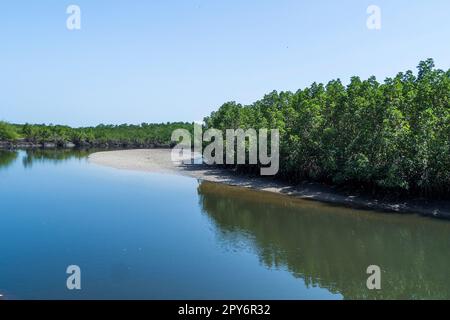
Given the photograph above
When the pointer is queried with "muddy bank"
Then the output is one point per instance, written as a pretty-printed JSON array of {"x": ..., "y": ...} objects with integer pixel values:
[{"x": 159, "y": 161}]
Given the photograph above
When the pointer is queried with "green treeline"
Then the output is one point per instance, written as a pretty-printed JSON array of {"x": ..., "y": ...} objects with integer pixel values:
[
  {"x": 102, "y": 135},
  {"x": 391, "y": 136},
  {"x": 7, "y": 131}
]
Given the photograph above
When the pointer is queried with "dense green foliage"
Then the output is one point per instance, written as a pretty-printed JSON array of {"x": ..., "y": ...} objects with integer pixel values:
[
  {"x": 102, "y": 135},
  {"x": 391, "y": 136},
  {"x": 7, "y": 131}
]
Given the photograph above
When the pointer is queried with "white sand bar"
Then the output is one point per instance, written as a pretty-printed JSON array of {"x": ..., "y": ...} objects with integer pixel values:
[{"x": 159, "y": 161}]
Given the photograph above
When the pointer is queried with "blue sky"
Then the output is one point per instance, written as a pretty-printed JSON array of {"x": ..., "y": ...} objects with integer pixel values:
[{"x": 157, "y": 61}]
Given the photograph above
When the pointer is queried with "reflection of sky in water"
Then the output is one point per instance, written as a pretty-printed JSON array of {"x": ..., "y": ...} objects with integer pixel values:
[
  {"x": 134, "y": 235},
  {"x": 151, "y": 236}
]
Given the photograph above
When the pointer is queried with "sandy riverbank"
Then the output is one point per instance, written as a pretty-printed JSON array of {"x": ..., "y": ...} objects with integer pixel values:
[{"x": 159, "y": 161}]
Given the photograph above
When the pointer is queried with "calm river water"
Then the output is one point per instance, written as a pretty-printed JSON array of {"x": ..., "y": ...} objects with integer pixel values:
[{"x": 151, "y": 236}]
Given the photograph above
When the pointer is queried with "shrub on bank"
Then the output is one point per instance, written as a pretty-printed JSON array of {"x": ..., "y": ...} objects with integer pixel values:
[{"x": 7, "y": 132}]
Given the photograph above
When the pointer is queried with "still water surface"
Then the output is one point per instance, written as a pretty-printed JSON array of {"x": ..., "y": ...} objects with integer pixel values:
[{"x": 151, "y": 236}]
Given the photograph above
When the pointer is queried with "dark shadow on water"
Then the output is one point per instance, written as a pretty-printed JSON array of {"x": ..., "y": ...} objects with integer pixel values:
[
  {"x": 55, "y": 156},
  {"x": 333, "y": 195},
  {"x": 332, "y": 247},
  {"x": 7, "y": 158}
]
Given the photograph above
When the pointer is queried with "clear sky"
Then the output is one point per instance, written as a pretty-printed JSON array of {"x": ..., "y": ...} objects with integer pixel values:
[{"x": 139, "y": 61}]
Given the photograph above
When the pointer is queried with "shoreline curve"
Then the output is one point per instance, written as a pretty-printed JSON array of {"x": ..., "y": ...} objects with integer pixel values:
[{"x": 159, "y": 161}]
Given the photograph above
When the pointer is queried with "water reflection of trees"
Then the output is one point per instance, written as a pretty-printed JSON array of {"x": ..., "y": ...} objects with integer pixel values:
[
  {"x": 331, "y": 247},
  {"x": 7, "y": 158},
  {"x": 52, "y": 155}
]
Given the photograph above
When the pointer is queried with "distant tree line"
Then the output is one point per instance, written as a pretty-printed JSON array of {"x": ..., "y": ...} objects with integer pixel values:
[
  {"x": 392, "y": 136},
  {"x": 125, "y": 135},
  {"x": 7, "y": 131}
]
